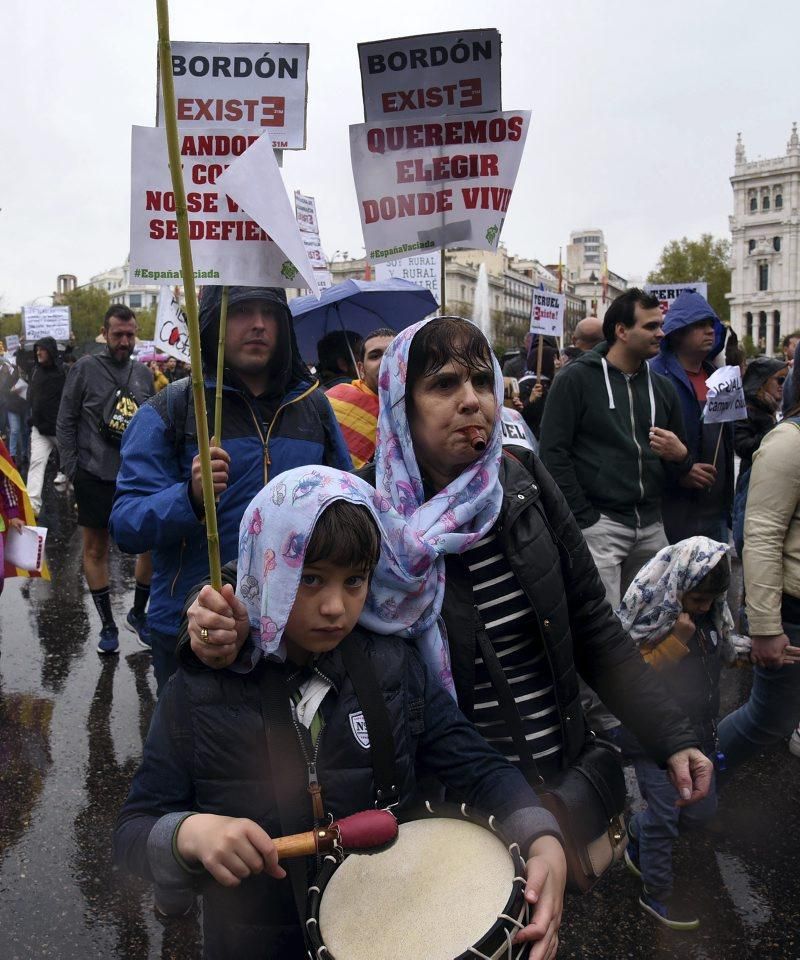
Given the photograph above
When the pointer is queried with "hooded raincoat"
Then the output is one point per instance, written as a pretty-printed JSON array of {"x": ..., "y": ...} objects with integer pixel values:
[{"x": 688, "y": 512}]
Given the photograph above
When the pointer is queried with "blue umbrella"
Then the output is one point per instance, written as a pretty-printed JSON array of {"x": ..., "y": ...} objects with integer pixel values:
[{"x": 361, "y": 306}]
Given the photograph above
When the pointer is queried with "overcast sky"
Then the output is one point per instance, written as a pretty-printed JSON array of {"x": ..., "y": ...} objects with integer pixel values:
[{"x": 636, "y": 106}]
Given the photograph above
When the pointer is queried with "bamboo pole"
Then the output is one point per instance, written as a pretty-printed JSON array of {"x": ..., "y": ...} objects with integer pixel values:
[
  {"x": 223, "y": 325},
  {"x": 716, "y": 449},
  {"x": 190, "y": 292}
]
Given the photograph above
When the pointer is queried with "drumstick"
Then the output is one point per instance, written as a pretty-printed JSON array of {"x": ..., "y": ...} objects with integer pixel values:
[{"x": 367, "y": 832}]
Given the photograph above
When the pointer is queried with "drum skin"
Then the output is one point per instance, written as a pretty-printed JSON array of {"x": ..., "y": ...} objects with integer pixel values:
[{"x": 437, "y": 891}]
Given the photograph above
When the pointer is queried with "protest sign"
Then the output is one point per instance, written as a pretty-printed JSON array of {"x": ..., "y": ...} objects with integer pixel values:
[
  {"x": 253, "y": 181},
  {"x": 431, "y": 75},
  {"x": 547, "y": 313},
  {"x": 425, "y": 270},
  {"x": 442, "y": 183},
  {"x": 305, "y": 209},
  {"x": 171, "y": 333},
  {"x": 12, "y": 343},
  {"x": 228, "y": 247},
  {"x": 516, "y": 432},
  {"x": 665, "y": 293},
  {"x": 725, "y": 400},
  {"x": 144, "y": 347},
  {"x": 256, "y": 87},
  {"x": 46, "y": 322}
]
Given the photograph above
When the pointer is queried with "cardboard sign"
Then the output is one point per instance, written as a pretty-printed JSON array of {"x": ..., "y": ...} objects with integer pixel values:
[
  {"x": 442, "y": 183},
  {"x": 228, "y": 246},
  {"x": 547, "y": 313},
  {"x": 305, "y": 209},
  {"x": 665, "y": 293},
  {"x": 12, "y": 343},
  {"x": 425, "y": 270},
  {"x": 725, "y": 400},
  {"x": 46, "y": 322},
  {"x": 431, "y": 75},
  {"x": 172, "y": 332},
  {"x": 258, "y": 87}
]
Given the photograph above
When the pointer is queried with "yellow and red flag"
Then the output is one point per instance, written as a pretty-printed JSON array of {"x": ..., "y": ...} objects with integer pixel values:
[{"x": 9, "y": 470}]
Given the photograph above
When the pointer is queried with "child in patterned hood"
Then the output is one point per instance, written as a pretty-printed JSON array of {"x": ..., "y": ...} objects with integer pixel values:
[
  {"x": 208, "y": 797},
  {"x": 676, "y": 611}
]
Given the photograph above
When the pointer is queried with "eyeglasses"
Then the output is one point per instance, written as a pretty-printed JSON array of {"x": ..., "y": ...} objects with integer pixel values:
[{"x": 780, "y": 381}]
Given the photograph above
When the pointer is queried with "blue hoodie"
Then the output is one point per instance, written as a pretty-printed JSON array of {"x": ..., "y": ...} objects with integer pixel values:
[{"x": 689, "y": 512}]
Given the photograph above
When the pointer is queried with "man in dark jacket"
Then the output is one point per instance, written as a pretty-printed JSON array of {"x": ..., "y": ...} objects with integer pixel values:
[
  {"x": 44, "y": 393},
  {"x": 612, "y": 437},
  {"x": 698, "y": 503},
  {"x": 274, "y": 417},
  {"x": 100, "y": 395}
]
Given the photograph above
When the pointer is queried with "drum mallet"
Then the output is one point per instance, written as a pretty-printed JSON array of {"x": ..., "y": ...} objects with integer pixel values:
[{"x": 367, "y": 832}]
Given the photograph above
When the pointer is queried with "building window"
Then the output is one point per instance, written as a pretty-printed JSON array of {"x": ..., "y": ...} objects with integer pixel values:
[
  {"x": 776, "y": 244},
  {"x": 753, "y": 204},
  {"x": 763, "y": 276},
  {"x": 751, "y": 245},
  {"x": 778, "y": 201},
  {"x": 776, "y": 327},
  {"x": 765, "y": 202},
  {"x": 748, "y": 325},
  {"x": 762, "y": 330},
  {"x": 135, "y": 301}
]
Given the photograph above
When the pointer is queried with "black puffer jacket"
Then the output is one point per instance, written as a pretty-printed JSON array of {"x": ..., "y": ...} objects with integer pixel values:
[
  {"x": 207, "y": 751},
  {"x": 581, "y": 635},
  {"x": 750, "y": 432},
  {"x": 46, "y": 387}
]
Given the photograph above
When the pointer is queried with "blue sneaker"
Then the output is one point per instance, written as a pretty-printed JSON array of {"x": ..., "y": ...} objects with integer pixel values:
[
  {"x": 138, "y": 624},
  {"x": 668, "y": 912},
  {"x": 632, "y": 854},
  {"x": 109, "y": 640}
]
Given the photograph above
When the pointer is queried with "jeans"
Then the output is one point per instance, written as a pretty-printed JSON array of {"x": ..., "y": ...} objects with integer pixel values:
[
  {"x": 165, "y": 663},
  {"x": 657, "y": 827},
  {"x": 41, "y": 448},
  {"x": 17, "y": 437},
  {"x": 769, "y": 715}
]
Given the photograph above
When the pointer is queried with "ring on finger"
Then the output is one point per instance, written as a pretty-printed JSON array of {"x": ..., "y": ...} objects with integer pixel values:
[{"x": 204, "y": 634}]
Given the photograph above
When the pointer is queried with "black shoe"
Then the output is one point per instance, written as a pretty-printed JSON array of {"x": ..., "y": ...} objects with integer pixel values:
[{"x": 668, "y": 913}]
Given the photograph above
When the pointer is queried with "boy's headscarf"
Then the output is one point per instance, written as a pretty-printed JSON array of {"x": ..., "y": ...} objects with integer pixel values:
[
  {"x": 654, "y": 601},
  {"x": 420, "y": 532}
]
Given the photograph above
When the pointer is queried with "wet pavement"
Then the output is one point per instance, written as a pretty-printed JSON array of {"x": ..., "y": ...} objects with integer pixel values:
[{"x": 71, "y": 729}]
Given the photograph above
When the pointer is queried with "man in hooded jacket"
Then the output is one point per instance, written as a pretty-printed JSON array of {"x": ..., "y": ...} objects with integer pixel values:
[
  {"x": 44, "y": 395},
  {"x": 274, "y": 417},
  {"x": 698, "y": 503}
]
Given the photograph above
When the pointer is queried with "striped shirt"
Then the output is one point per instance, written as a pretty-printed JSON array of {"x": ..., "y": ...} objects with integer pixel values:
[
  {"x": 355, "y": 407},
  {"x": 511, "y": 626}
]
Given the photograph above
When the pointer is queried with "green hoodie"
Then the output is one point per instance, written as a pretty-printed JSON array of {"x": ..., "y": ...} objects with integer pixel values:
[{"x": 595, "y": 439}]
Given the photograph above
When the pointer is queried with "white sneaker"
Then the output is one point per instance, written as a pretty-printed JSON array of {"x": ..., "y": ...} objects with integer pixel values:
[{"x": 794, "y": 743}]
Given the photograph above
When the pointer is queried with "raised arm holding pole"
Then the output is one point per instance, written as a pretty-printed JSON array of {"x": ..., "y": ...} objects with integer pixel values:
[{"x": 190, "y": 292}]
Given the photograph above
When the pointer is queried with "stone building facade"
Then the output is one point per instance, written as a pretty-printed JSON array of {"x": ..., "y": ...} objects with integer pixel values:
[{"x": 765, "y": 246}]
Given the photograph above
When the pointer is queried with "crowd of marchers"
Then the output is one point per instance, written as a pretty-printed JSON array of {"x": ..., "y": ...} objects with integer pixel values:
[{"x": 520, "y": 575}]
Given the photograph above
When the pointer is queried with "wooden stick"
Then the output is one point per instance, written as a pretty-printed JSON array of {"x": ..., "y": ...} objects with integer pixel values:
[
  {"x": 298, "y": 844},
  {"x": 716, "y": 450},
  {"x": 539, "y": 353},
  {"x": 190, "y": 292},
  {"x": 223, "y": 325}
]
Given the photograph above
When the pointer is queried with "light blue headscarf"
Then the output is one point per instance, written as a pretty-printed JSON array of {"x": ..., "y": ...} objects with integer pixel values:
[{"x": 420, "y": 532}]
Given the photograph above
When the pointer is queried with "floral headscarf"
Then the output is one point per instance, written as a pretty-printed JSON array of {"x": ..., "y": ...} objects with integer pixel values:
[
  {"x": 420, "y": 532},
  {"x": 653, "y": 602}
]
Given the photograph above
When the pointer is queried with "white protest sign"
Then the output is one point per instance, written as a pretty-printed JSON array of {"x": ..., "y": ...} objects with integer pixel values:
[
  {"x": 725, "y": 400},
  {"x": 12, "y": 343},
  {"x": 171, "y": 333},
  {"x": 228, "y": 247},
  {"x": 425, "y": 270},
  {"x": 665, "y": 293},
  {"x": 516, "y": 432},
  {"x": 431, "y": 75},
  {"x": 46, "y": 322},
  {"x": 254, "y": 182},
  {"x": 547, "y": 313},
  {"x": 444, "y": 183},
  {"x": 144, "y": 347},
  {"x": 259, "y": 87},
  {"x": 305, "y": 209}
]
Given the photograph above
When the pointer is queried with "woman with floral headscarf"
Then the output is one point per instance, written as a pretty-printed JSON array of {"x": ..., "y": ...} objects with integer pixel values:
[{"x": 501, "y": 563}]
